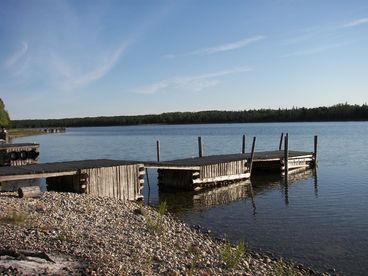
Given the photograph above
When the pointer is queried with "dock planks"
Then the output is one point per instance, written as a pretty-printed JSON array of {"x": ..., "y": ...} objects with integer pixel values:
[{"x": 124, "y": 179}]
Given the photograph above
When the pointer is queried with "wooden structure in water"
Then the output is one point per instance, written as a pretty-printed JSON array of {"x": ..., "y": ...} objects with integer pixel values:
[
  {"x": 124, "y": 179},
  {"x": 111, "y": 178},
  {"x": 18, "y": 154},
  {"x": 53, "y": 130},
  {"x": 201, "y": 172},
  {"x": 274, "y": 161},
  {"x": 217, "y": 170}
]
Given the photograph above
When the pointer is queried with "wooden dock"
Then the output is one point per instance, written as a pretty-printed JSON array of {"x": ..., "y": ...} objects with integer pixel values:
[
  {"x": 18, "y": 154},
  {"x": 216, "y": 170},
  {"x": 125, "y": 179},
  {"x": 113, "y": 178}
]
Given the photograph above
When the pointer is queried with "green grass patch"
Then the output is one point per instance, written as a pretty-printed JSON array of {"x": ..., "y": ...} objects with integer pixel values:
[
  {"x": 232, "y": 256},
  {"x": 155, "y": 224},
  {"x": 22, "y": 132},
  {"x": 284, "y": 269}
]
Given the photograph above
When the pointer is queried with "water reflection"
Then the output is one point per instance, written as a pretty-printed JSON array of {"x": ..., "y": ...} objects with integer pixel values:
[{"x": 246, "y": 190}]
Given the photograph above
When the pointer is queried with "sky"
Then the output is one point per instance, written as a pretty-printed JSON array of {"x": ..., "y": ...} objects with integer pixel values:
[{"x": 63, "y": 59}]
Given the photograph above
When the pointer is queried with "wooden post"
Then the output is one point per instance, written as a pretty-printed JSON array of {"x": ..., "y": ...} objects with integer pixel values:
[
  {"x": 31, "y": 191},
  {"x": 200, "y": 146},
  {"x": 281, "y": 138},
  {"x": 158, "y": 150},
  {"x": 286, "y": 154},
  {"x": 315, "y": 147},
  {"x": 252, "y": 155},
  {"x": 243, "y": 145}
]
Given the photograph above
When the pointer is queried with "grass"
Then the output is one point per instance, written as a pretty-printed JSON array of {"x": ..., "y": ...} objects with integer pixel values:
[
  {"x": 155, "y": 224},
  {"x": 13, "y": 217},
  {"x": 231, "y": 256},
  {"x": 284, "y": 269},
  {"x": 22, "y": 132}
]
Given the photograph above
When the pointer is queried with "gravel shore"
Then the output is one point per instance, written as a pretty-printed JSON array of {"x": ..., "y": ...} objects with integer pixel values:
[{"x": 83, "y": 234}]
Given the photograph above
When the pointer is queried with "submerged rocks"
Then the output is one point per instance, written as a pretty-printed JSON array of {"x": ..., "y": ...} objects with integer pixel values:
[{"x": 107, "y": 236}]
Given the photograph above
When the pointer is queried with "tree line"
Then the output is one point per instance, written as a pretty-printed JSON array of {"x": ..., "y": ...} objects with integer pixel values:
[{"x": 339, "y": 112}]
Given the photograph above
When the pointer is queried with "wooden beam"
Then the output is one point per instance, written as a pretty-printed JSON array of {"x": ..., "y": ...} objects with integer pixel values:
[
  {"x": 286, "y": 153},
  {"x": 243, "y": 144},
  {"x": 200, "y": 146},
  {"x": 158, "y": 150},
  {"x": 31, "y": 191},
  {"x": 221, "y": 178},
  {"x": 35, "y": 176},
  {"x": 252, "y": 154},
  {"x": 281, "y": 138}
]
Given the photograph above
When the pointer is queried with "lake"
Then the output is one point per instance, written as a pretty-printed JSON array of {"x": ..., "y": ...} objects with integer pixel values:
[{"x": 319, "y": 218}]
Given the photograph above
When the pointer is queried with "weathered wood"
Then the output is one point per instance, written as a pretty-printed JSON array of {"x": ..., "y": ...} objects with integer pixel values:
[
  {"x": 281, "y": 138},
  {"x": 18, "y": 154},
  {"x": 31, "y": 191},
  {"x": 243, "y": 144},
  {"x": 158, "y": 150},
  {"x": 200, "y": 146},
  {"x": 286, "y": 153},
  {"x": 315, "y": 147},
  {"x": 221, "y": 178},
  {"x": 252, "y": 155}
]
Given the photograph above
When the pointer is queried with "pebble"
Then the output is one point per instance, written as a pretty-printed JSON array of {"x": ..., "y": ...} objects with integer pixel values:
[{"x": 112, "y": 237}]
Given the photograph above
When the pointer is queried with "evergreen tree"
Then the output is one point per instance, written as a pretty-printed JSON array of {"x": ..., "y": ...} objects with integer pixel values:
[{"x": 4, "y": 116}]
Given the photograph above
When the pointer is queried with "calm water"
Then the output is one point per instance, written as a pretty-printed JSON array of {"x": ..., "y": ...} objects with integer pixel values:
[{"x": 319, "y": 218}]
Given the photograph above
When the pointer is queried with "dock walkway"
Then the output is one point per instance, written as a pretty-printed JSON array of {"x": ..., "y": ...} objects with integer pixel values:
[
  {"x": 124, "y": 179},
  {"x": 200, "y": 172},
  {"x": 117, "y": 178}
]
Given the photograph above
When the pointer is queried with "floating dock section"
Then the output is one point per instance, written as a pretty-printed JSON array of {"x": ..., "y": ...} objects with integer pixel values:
[
  {"x": 18, "y": 154},
  {"x": 112, "y": 178},
  {"x": 274, "y": 161},
  {"x": 201, "y": 172},
  {"x": 194, "y": 174}
]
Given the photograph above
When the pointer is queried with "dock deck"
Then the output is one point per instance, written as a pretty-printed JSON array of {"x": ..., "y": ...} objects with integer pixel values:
[
  {"x": 215, "y": 170},
  {"x": 125, "y": 179},
  {"x": 117, "y": 178}
]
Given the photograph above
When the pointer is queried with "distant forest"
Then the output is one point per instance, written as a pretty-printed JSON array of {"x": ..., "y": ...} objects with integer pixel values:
[{"x": 339, "y": 112}]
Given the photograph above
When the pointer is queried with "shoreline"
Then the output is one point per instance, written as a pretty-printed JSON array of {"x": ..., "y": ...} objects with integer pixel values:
[{"x": 104, "y": 236}]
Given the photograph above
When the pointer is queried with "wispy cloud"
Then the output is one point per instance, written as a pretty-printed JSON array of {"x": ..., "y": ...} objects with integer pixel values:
[
  {"x": 220, "y": 48},
  {"x": 95, "y": 73},
  {"x": 15, "y": 57},
  {"x": 316, "y": 50},
  {"x": 194, "y": 83},
  {"x": 356, "y": 22}
]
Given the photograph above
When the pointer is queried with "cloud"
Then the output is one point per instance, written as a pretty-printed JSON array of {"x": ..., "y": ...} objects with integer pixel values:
[
  {"x": 356, "y": 22},
  {"x": 95, "y": 73},
  {"x": 13, "y": 59},
  {"x": 194, "y": 83},
  {"x": 220, "y": 48},
  {"x": 315, "y": 50}
]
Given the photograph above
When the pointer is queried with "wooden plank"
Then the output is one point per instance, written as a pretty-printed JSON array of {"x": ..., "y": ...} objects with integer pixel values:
[
  {"x": 221, "y": 178},
  {"x": 34, "y": 176}
]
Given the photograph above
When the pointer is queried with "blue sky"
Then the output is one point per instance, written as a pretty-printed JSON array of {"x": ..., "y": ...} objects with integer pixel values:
[{"x": 93, "y": 58}]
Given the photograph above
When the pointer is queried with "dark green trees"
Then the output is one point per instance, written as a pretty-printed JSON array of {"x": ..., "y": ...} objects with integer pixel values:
[{"x": 4, "y": 116}]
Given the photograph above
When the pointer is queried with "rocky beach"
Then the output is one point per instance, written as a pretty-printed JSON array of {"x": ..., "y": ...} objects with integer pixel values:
[{"x": 74, "y": 234}]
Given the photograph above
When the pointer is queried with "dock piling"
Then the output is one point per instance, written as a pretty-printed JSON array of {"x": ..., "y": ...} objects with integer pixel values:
[
  {"x": 200, "y": 146},
  {"x": 252, "y": 154},
  {"x": 243, "y": 145},
  {"x": 281, "y": 138},
  {"x": 286, "y": 153},
  {"x": 158, "y": 150},
  {"x": 315, "y": 146}
]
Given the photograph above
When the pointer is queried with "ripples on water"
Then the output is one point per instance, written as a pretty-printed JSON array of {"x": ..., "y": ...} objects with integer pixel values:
[{"x": 319, "y": 219}]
